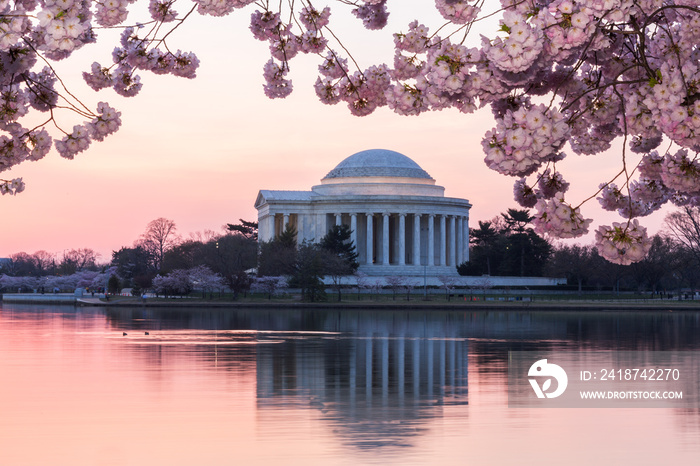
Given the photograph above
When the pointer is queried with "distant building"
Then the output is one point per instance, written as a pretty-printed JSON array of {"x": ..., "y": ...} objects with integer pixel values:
[{"x": 401, "y": 221}]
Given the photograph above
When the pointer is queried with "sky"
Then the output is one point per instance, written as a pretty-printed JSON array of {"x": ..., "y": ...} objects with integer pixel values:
[{"x": 198, "y": 151}]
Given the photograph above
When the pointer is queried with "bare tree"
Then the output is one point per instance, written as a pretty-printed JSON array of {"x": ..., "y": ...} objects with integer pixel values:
[
  {"x": 409, "y": 285},
  {"x": 684, "y": 226},
  {"x": 159, "y": 237},
  {"x": 81, "y": 258},
  {"x": 448, "y": 283},
  {"x": 44, "y": 261},
  {"x": 362, "y": 282},
  {"x": 395, "y": 283}
]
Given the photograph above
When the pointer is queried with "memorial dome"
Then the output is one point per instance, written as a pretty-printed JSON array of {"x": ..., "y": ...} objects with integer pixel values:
[{"x": 378, "y": 163}]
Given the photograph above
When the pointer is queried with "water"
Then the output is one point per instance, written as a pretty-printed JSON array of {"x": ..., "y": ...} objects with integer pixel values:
[{"x": 224, "y": 387}]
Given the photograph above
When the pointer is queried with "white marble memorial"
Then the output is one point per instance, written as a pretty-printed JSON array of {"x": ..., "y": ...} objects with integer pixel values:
[{"x": 401, "y": 221}]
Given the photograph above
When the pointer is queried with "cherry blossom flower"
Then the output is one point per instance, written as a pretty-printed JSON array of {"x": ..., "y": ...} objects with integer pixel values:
[{"x": 623, "y": 243}]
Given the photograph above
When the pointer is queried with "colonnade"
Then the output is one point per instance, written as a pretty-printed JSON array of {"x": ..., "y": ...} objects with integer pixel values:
[{"x": 398, "y": 238}]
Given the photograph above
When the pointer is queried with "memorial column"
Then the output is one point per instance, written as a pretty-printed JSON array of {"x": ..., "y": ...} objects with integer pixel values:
[
  {"x": 385, "y": 240},
  {"x": 431, "y": 240},
  {"x": 460, "y": 240},
  {"x": 452, "y": 256},
  {"x": 370, "y": 239},
  {"x": 443, "y": 240},
  {"x": 353, "y": 231},
  {"x": 416, "y": 239},
  {"x": 465, "y": 239},
  {"x": 402, "y": 239}
]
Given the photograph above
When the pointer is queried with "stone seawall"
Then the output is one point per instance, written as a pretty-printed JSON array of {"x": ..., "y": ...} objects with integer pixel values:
[{"x": 38, "y": 298}]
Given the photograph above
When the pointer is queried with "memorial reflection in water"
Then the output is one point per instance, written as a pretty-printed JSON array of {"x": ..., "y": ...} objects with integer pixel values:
[{"x": 377, "y": 389}]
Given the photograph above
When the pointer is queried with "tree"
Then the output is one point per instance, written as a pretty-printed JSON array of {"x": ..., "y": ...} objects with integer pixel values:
[
  {"x": 651, "y": 272},
  {"x": 133, "y": 267},
  {"x": 204, "y": 279},
  {"x": 269, "y": 285},
  {"x": 160, "y": 237},
  {"x": 604, "y": 70},
  {"x": 247, "y": 229},
  {"x": 279, "y": 256},
  {"x": 395, "y": 282},
  {"x": 574, "y": 262},
  {"x": 44, "y": 261},
  {"x": 113, "y": 285},
  {"x": 521, "y": 243},
  {"x": 309, "y": 270},
  {"x": 484, "y": 240},
  {"x": 21, "y": 264},
  {"x": 512, "y": 250},
  {"x": 231, "y": 255},
  {"x": 362, "y": 282},
  {"x": 684, "y": 226},
  {"x": 448, "y": 283},
  {"x": 77, "y": 259},
  {"x": 185, "y": 255},
  {"x": 337, "y": 241}
]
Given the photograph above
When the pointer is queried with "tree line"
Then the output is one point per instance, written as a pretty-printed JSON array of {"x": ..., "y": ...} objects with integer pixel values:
[{"x": 507, "y": 245}]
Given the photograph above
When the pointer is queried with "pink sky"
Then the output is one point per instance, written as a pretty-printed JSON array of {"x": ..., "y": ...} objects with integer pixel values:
[{"x": 197, "y": 151}]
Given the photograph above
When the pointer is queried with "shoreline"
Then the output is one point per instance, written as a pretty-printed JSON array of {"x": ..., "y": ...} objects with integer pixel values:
[{"x": 416, "y": 305}]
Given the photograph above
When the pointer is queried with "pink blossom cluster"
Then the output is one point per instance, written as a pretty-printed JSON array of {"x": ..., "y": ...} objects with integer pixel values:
[
  {"x": 406, "y": 100},
  {"x": 597, "y": 70},
  {"x": 106, "y": 122},
  {"x": 458, "y": 11},
  {"x": 220, "y": 7},
  {"x": 365, "y": 91},
  {"x": 524, "y": 139},
  {"x": 611, "y": 198},
  {"x": 161, "y": 10},
  {"x": 623, "y": 243},
  {"x": 14, "y": 26},
  {"x": 314, "y": 20},
  {"x": 373, "y": 13},
  {"x": 550, "y": 184},
  {"x": 276, "y": 86},
  {"x": 63, "y": 26},
  {"x": 519, "y": 49},
  {"x": 42, "y": 95},
  {"x": 681, "y": 173},
  {"x": 111, "y": 12},
  {"x": 568, "y": 25},
  {"x": 12, "y": 187},
  {"x": 645, "y": 197},
  {"x": 524, "y": 194},
  {"x": 74, "y": 143},
  {"x": 416, "y": 40},
  {"x": 554, "y": 217}
]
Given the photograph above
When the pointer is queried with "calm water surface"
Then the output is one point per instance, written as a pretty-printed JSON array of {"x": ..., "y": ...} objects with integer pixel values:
[{"x": 213, "y": 387}]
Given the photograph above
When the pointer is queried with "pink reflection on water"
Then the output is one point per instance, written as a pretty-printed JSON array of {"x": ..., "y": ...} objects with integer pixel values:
[{"x": 76, "y": 392}]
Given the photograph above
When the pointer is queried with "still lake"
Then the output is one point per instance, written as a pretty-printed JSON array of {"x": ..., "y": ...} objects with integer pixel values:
[{"x": 293, "y": 387}]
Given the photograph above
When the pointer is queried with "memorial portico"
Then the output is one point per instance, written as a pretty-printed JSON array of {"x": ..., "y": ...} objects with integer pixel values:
[{"x": 401, "y": 222}]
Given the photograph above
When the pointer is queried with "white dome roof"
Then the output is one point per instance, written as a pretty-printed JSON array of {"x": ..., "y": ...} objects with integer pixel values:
[{"x": 380, "y": 163}]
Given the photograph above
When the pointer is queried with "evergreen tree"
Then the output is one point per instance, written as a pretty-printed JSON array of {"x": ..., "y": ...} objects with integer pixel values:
[
  {"x": 337, "y": 241},
  {"x": 514, "y": 249},
  {"x": 279, "y": 256},
  {"x": 247, "y": 229}
]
